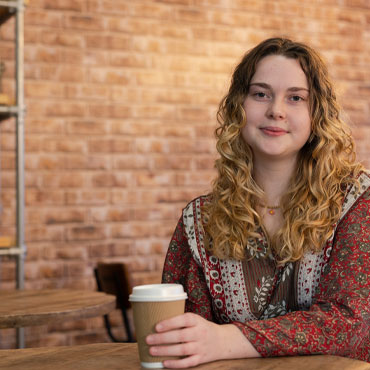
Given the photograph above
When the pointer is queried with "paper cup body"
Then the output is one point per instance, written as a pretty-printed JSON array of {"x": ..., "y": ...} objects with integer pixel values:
[{"x": 152, "y": 304}]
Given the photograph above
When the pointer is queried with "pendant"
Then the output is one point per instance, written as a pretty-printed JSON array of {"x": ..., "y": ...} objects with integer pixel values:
[{"x": 271, "y": 212}]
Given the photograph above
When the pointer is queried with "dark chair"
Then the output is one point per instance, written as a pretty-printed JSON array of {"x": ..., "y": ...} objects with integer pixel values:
[{"x": 112, "y": 278}]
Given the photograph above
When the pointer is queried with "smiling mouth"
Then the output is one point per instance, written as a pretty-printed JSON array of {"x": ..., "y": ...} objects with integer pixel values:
[{"x": 273, "y": 131}]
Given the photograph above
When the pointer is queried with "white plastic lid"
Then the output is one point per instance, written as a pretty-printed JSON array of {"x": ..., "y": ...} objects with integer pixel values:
[{"x": 158, "y": 293}]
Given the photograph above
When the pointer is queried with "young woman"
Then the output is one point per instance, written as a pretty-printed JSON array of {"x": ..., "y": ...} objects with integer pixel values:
[{"x": 276, "y": 260}]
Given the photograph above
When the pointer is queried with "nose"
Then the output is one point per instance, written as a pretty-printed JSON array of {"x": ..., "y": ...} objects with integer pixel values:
[{"x": 276, "y": 110}]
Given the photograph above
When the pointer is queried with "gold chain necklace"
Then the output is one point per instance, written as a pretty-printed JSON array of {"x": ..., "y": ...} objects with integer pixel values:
[{"x": 271, "y": 209}]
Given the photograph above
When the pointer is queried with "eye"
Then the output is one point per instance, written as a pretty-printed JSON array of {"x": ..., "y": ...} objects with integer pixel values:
[
  {"x": 296, "y": 98},
  {"x": 260, "y": 95}
]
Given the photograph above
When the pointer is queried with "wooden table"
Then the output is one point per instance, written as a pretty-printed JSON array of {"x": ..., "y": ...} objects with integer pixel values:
[
  {"x": 19, "y": 308},
  {"x": 125, "y": 356}
]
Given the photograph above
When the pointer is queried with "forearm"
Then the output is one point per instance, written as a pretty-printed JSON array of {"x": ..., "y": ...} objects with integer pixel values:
[{"x": 326, "y": 328}]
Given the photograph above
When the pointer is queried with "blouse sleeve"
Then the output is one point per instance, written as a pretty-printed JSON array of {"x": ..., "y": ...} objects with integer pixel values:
[
  {"x": 338, "y": 322},
  {"x": 180, "y": 267}
]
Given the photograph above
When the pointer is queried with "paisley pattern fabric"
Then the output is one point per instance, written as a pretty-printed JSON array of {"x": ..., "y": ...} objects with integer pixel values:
[{"x": 318, "y": 305}]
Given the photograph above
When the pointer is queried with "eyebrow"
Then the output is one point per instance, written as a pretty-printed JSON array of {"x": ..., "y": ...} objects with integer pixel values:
[{"x": 267, "y": 86}]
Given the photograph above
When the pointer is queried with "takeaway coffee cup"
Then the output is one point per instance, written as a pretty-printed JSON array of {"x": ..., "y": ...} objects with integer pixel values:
[{"x": 152, "y": 304}]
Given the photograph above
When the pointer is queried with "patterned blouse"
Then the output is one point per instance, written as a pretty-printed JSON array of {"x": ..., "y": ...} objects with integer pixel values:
[{"x": 318, "y": 305}]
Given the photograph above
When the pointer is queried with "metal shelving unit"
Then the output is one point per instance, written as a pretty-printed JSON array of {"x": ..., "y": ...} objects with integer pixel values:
[{"x": 9, "y": 9}]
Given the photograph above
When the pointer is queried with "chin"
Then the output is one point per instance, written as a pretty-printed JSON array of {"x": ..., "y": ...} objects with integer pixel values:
[{"x": 275, "y": 154}]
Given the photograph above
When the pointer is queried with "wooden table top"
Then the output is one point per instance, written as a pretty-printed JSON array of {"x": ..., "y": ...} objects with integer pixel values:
[
  {"x": 125, "y": 356},
  {"x": 19, "y": 308}
]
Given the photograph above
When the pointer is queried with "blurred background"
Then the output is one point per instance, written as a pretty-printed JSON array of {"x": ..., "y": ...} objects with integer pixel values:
[{"x": 121, "y": 100}]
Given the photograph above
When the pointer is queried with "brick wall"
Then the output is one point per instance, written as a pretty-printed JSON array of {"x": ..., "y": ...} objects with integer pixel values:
[{"x": 121, "y": 99}]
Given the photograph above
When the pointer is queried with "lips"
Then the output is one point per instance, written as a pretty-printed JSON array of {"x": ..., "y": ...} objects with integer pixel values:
[{"x": 273, "y": 131}]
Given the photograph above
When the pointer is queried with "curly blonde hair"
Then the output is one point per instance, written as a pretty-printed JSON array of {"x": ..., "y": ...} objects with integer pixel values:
[{"x": 326, "y": 166}]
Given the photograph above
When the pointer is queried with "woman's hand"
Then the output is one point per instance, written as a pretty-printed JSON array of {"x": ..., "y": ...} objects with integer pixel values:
[{"x": 199, "y": 340}]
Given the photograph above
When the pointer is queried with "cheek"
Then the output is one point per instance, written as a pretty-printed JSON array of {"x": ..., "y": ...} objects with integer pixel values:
[
  {"x": 303, "y": 125},
  {"x": 252, "y": 110},
  {"x": 246, "y": 134},
  {"x": 308, "y": 126}
]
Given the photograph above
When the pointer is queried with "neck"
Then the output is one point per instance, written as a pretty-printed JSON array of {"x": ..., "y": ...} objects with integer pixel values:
[{"x": 273, "y": 178}]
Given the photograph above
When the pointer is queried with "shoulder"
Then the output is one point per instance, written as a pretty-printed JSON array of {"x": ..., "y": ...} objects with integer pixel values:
[
  {"x": 356, "y": 203},
  {"x": 193, "y": 209},
  {"x": 357, "y": 193},
  {"x": 192, "y": 220},
  {"x": 364, "y": 182},
  {"x": 201, "y": 200},
  {"x": 364, "y": 178}
]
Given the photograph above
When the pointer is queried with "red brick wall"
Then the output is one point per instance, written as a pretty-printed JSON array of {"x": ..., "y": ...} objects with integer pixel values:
[{"x": 121, "y": 99}]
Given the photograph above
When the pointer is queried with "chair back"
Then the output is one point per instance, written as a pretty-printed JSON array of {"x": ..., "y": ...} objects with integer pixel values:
[{"x": 112, "y": 278}]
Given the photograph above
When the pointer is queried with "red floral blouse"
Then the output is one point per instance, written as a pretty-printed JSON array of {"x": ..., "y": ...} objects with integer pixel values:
[{"x": 318, "y": 305}]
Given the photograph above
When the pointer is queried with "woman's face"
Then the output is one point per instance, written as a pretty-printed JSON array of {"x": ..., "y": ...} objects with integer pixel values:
[{"x": 277, "y": 109}]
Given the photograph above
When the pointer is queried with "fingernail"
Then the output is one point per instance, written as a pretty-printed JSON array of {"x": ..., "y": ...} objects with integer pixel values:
[
  {"x": 159, "y": 327},
  {"x": 149, "y": 339}
]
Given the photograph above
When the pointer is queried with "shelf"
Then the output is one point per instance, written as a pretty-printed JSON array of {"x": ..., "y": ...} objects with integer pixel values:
[
  {"x": 9, "y": 3},
  {"x": 11, "y": 109},
  {"x": 12, "y": 251},
  {"x": 7, "y": 10},
  {"x": 8, "y": 111}
]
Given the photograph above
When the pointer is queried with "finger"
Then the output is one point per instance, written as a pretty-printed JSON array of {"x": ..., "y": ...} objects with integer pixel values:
[
  {"x": 182, "y": 363},
  {"x": 182, "y": 349},
  {"x": 181, "y": 321},
  {"x": 172, "y": 336}
]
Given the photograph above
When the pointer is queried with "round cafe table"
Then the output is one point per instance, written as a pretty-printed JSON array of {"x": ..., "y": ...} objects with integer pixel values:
[
  {"x": 20, "y": 308},
  {"x": 125, "y": 356}
]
